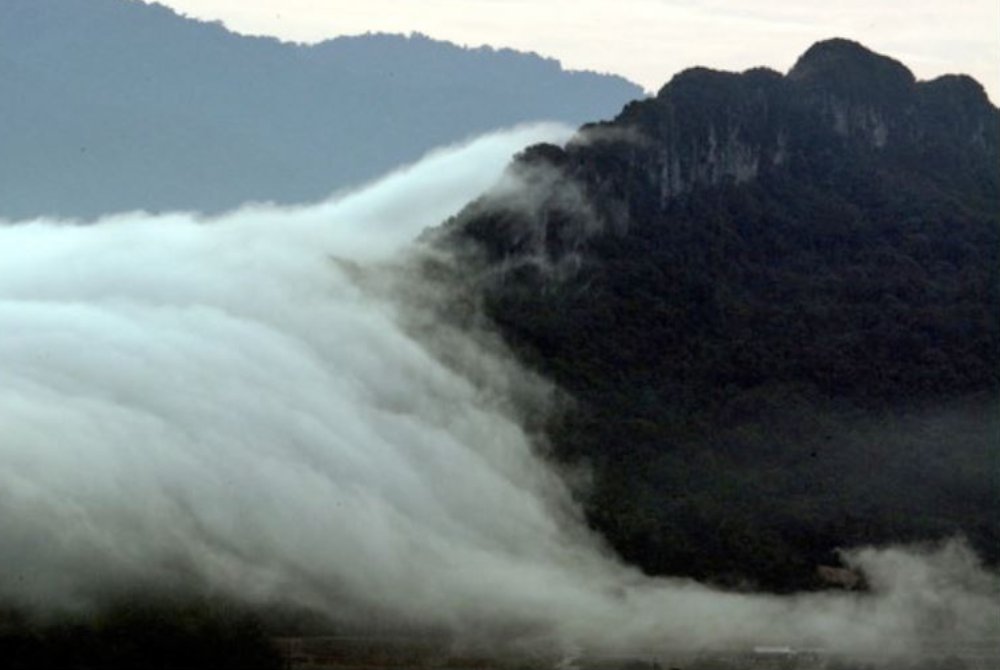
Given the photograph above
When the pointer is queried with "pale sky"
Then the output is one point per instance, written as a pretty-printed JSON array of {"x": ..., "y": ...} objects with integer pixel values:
[{"x": 648, "y": 41}]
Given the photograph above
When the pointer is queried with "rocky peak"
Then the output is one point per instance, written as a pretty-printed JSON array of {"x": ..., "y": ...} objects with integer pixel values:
[
  {"x": 858, "y": 92},
  {"x": 849, "y": 70},
  {"x": 956, "y": 89},
  {"x": 843, "y": 116}
]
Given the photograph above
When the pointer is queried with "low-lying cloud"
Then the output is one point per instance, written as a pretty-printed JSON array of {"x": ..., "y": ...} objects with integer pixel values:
[{"x": 241, "y": 405}]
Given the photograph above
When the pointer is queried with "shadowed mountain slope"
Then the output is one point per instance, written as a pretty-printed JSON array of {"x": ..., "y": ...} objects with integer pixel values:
[{"x": 773, "y": 301}]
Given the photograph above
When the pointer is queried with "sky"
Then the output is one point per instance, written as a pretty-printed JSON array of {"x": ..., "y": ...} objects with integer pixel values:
[{"x": 648, "y": 41}]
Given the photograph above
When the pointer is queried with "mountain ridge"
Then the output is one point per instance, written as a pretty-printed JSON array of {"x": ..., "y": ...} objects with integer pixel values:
[
  {"x": 771, "y": 281},
  {"x": 113, "y": 105}
]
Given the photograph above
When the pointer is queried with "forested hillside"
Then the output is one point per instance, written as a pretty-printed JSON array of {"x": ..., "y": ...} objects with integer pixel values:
[{"x": 773, "y": 300}]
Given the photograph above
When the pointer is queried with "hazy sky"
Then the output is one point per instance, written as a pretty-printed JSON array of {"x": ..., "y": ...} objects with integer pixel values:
[{"x": 650, "y": 40}]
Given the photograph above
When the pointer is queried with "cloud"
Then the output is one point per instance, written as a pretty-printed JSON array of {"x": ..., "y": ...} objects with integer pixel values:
[{"x": 243, "y": 405}]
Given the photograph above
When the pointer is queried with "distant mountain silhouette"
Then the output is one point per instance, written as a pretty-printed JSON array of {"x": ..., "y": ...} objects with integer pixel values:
[
  {"x": 108, "y": 105},
  {"x": 775, "y": 303}
]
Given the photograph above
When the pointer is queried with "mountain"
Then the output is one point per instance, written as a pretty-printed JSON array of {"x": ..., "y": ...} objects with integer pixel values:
[
  {"x": 109, "y": 105},
  {"x": 772, "y": 303}
]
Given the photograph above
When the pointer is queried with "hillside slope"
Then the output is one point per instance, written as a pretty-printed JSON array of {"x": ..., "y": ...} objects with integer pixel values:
[
  {"x": 773, "y": 301},
  {"x": 110, "y": 105}
]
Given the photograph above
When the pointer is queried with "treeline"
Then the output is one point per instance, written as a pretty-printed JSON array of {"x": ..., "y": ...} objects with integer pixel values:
[{"x": 139, "y": 632}]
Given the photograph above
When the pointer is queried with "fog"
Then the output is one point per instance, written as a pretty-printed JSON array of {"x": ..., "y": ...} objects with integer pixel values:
[{"x": 244, "y": 406}]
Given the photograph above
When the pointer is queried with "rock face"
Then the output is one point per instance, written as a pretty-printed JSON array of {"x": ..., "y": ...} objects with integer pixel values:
[
  {"x": 774, "y": 301},
  {"x": 839, "y": 105}
]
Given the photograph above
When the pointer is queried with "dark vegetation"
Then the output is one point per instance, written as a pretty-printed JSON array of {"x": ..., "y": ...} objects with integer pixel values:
[
  {"x": 139, "y": 632},
  {"x": 777, "y": 316},
  {"x": 112, "y": 105}
]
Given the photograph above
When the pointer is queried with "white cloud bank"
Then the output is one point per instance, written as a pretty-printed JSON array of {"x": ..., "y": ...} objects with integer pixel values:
[{"x": 221, "y": 404}]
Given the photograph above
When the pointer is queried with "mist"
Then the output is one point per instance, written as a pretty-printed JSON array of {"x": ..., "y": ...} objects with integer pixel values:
[{"x": 243, "y": 405}]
